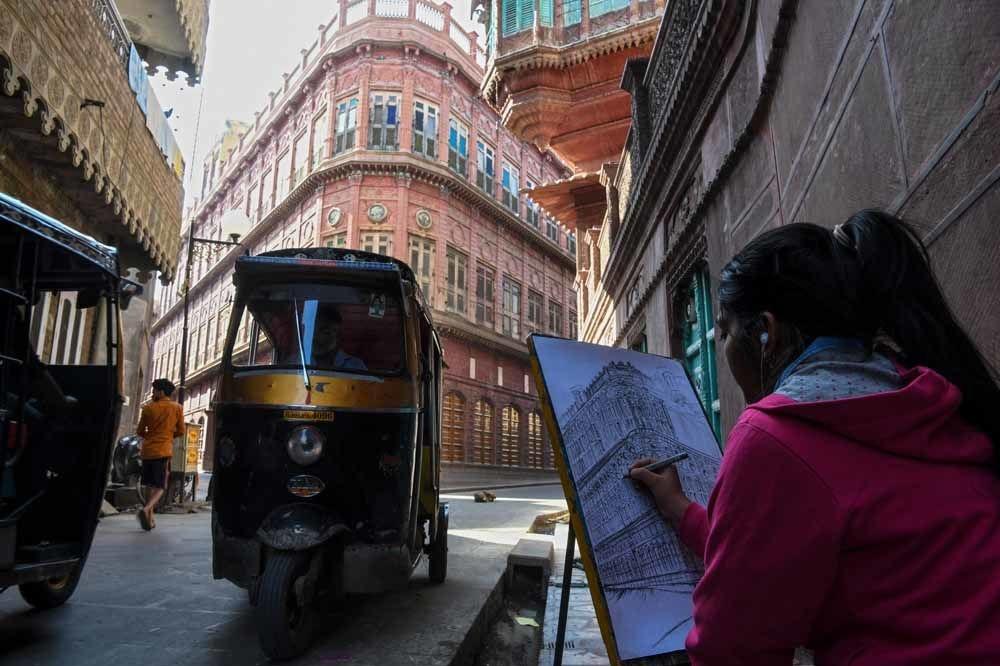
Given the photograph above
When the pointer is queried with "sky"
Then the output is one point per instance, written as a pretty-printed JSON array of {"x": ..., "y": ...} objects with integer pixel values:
[{"x": 250, "y": 44}]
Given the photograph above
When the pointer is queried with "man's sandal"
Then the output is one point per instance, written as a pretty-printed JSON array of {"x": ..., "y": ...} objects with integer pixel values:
[{"x": 144, "y": 520}]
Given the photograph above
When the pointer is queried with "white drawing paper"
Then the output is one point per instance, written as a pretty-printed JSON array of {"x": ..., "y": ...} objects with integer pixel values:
[{"x": 612, "y": 407}]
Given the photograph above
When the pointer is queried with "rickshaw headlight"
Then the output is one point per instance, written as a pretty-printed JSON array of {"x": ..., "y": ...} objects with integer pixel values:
[{"x": 305, "y": 445}]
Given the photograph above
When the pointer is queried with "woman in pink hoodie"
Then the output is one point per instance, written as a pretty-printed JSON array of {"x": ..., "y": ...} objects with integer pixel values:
[{"x": 857, "y": 509}]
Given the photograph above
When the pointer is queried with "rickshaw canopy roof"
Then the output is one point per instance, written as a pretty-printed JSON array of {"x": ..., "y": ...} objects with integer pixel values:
[{"x": 100, "y": 257}]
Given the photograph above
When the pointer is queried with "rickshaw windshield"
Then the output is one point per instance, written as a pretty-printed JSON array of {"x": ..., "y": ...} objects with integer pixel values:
[{"x": 328, "y": 327}]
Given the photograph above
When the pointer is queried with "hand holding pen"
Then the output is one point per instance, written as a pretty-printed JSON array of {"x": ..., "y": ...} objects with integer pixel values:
[{"x": 663, "y": 482}]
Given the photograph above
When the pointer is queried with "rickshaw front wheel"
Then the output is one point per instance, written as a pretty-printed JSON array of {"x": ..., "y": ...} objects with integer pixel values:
[
  {"x": 45, "y": 594},
  {"x": 438, "y": 565},
  {"x": 285, "y": 625}
]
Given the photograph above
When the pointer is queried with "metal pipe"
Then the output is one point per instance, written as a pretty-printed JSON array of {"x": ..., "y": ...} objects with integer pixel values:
[
  {"x": 182, "y": 389},
  {"x": 567, "y": 581}
]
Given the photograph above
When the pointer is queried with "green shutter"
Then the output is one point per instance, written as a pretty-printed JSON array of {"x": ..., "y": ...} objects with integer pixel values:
[
  {"x": 509, "y": 16},
  {"x": 572, "y": 12},
  {"x": 699, "y": 344},
  {"x": 545, "y": 9}
]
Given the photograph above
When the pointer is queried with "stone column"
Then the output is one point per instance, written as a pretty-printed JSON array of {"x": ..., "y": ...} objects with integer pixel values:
[
  {"x": 401, "y": 219},
  {"x": 357, "y": 215}
]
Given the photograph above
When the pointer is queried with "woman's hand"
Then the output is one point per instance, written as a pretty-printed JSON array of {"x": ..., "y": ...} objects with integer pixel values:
[{"x": 665, "y": 486}]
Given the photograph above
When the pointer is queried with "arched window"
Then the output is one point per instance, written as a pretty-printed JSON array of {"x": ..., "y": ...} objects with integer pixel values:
[
  {"x": 482, "y": 433},
  {"x": 453, "y": 435},
  {"x": 534, "y": 458},
  {"x": 510, "y": 436}
]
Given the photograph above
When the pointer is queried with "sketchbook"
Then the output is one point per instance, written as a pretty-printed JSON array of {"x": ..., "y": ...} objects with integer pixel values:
[{"x": 605, "y": 408}]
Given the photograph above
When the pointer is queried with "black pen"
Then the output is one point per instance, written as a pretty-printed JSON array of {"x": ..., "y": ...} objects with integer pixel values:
[{"x": 657, "y": 466}]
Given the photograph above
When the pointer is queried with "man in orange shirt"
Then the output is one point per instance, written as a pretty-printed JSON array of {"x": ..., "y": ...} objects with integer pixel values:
[{"x": 161, "y": 421}]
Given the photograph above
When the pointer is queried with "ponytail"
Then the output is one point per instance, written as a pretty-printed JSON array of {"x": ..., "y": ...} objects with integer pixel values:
[
  {"x": 871, "y": 276},
  {"x": 899, "y": 295}
]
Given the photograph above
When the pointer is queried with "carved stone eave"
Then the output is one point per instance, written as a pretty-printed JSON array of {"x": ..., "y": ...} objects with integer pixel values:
[
  {"x": 39, "y": 104},
  {"x": 540, "y": 56},
  {"x": 463, "y": 329},
  {"x": 359, "y": 163},
  {"x": 676, "y": 191}
]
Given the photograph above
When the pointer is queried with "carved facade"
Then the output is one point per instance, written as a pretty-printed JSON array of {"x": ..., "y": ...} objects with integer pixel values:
[
  {"x": 346, "y": 154},
  {"x": 769, "y": 112}
]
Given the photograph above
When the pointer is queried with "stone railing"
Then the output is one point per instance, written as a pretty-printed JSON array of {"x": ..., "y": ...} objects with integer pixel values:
[{"x": 348, "y": 25}]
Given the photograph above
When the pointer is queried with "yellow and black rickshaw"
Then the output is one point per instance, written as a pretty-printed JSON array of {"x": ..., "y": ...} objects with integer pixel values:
[
  {"x": 60, "y": 397},
  {"x": 327, "y": 455}
]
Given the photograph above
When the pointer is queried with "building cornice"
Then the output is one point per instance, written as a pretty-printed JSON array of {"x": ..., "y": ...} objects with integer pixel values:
[
  {"x": 365, "y": 162},
  {"x": 552, "y": 56}
]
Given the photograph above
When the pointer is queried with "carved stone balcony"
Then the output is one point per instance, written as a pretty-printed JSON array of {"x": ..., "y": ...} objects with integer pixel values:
[
  {"x": 168, "y": 33},
  {"x": 554, "y": 71},
  {"x": 76, "y": 139}
]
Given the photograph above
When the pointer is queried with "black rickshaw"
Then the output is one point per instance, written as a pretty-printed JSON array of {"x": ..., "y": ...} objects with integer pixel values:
[
  {"x": 60, "y": 397},
  {"x": 327, "y": 454}
]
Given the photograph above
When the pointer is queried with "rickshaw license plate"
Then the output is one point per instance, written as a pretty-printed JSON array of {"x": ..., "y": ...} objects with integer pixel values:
[{"x": 307, "y": 415}]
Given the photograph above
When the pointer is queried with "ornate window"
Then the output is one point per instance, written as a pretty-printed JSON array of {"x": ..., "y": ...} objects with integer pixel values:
[
  {"x": 552, "y": 229},
  {"x": 422, "y": 263},
  {"x": 337, "y": 240},
  {"x": 484, "y": 295},
  {"x": 555, "y": 318},
  {"x": 571, "y": 242},
  {"x": 377, "y": 242},
  {"x": 300, "y": 158},
  {"x": 320, "y": 130},
  {"x": 532, "y": 210},
  {"x": 384, "y": 131},
  {"x": 458, "y": 147},
  {"x": 518, "y": 15},
  {"x": 573, "y": 326},
  {"x": 535, "y": 304},
  {"x": 457, "y": 281},
  {"x": 425, "y": 129},
  {"x": 510, "y": 323},
  {"x": 453, "y": 432},
  {"x": 485, "y": 168},
  {"x": 347, "y": 125},
  {"x": 535, "y": 436},
  {"x": 510, "y": 436},
  {"x": 482, "y": 433},
  {"x": 509, "y": 183}
]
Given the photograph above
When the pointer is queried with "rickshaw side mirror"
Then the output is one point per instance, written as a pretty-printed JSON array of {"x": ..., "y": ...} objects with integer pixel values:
[{"x": 129, "y": 290}]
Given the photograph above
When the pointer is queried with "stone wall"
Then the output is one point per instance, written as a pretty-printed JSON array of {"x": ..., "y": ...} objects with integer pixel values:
[{"x": 781, "y": 111}]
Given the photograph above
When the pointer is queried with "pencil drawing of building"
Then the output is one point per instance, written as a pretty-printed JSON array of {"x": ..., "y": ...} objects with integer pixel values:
[{"x": 619, "y": 417}]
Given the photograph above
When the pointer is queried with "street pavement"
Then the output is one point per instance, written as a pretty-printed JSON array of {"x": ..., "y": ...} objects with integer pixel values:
[{"x": 149, "y": 598}]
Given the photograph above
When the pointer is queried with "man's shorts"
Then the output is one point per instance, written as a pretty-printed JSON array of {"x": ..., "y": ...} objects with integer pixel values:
[{"x": 155, "y": 472}]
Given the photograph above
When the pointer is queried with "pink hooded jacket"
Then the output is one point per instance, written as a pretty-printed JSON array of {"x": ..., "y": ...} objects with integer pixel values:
[{"x": 866, "y": 528}]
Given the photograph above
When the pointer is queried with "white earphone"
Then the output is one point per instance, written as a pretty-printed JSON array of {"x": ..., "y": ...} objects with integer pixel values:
[{"x": 763, "y": 339}]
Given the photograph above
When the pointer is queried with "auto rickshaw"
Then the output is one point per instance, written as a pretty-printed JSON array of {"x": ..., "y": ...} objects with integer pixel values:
[
  {"x": 60, "y": 397},
  {"x": 327, "y": 456}
]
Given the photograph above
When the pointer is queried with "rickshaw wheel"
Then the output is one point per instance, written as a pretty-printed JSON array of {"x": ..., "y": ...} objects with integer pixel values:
[
  {"x": 438, "y": 565},
  {"x": 45, "y": 594},
  {"x": 284, "y": 626}
]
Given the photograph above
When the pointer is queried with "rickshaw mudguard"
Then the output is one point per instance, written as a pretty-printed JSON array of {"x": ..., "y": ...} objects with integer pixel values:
[{"x": 300, "y": 527}]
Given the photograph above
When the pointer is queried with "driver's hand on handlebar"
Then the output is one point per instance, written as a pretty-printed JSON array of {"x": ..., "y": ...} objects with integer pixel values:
[{"x": 665, "y": 487}]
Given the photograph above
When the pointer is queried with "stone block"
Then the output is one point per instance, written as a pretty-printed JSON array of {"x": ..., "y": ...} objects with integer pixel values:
[{"x": 529, "y": 562}]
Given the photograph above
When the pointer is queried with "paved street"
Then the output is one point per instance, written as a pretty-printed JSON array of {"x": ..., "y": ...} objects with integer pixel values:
[{"x": 150, "y": 599}]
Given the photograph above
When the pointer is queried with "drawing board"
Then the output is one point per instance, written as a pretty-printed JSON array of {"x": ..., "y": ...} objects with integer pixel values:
[{"x": 605, "y": 408}]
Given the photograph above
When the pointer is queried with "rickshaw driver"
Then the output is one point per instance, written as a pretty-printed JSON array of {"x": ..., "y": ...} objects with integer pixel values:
[{"x": 326, "y": 338}]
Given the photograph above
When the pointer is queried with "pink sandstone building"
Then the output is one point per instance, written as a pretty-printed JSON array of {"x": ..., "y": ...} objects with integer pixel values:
[{"x": 379, "y": 140}]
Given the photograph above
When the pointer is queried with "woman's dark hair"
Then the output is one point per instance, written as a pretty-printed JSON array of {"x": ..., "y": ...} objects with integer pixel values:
[
  {"x": 164, "y": 385},
  {"x": 869, "y": 276}
]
